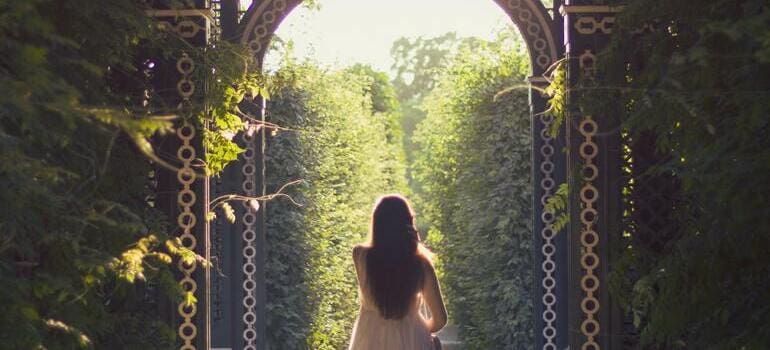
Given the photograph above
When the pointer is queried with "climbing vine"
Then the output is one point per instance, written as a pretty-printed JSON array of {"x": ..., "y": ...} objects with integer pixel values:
[{"x": 557, "y": 97}]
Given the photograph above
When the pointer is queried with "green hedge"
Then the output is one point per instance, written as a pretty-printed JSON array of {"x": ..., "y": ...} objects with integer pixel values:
[
  {"x": 344, "y": 144},
  {"x": 474, "y": 170}
]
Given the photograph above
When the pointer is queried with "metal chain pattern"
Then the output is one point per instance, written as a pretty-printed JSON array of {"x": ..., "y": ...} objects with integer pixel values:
[
  {"x": 547, "y": 185},
  {"x": 186, "y": 199},
  {"x": 589, "y": 194},
  {"x": 535, "y": 29},
  {"x": 249, "y": 250},
  {"x": 258, "y": 29},
  {"x": 589, "y": 238}
]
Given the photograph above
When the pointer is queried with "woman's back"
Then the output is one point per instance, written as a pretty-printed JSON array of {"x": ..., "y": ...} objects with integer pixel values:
[
  {"x": 394, "y": 273},
  {"x": 410, "y": 332}
]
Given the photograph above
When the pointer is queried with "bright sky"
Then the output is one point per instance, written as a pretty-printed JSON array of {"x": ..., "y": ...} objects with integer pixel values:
[{"x": 343, "y": 32}]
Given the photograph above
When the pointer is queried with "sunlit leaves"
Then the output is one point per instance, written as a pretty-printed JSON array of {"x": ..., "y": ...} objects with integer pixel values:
[
  {"x": 234, "y": 84},
  {"x": 189, "y": 299},
  {"x": 557, "y": 205},
  {"x": 557, "y": 92},
  {"x": 229, "y": 212},
  {"x": 76, "y": 117}
]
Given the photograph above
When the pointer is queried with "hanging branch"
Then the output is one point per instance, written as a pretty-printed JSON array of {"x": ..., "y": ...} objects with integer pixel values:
[
  {"x": 262, "y": 123},
  {"x": 224, "y": 201}
]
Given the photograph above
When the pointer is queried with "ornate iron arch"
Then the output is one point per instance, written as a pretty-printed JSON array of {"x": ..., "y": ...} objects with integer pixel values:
[
  {"x": 572, "y": 304},
  {"x": 542, "y": 35},
  {"x": 535, "y": 25}
]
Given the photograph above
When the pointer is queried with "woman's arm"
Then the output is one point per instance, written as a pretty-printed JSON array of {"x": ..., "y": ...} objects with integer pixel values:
[
  {"x": 431, "y": 292},
  {"x": 358, "y": 252}
]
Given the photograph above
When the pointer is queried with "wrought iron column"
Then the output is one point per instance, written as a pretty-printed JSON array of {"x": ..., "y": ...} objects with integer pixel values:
[
  {"x": 594, "y": 164},
  {"x": 183, "y": 193},
  {"x": 549, "y": 293},
  {"x": 550, "y": 247}
]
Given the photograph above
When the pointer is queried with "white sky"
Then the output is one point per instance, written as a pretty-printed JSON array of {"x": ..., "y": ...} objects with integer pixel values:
[{"x": 343, "y": 32}]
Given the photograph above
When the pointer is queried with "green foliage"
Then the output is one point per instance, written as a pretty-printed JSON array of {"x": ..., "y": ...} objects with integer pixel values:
[
  {"x": 386, "y": 109},
  {"x": 557, "y": 93},
  {"x": 474, "y": 166},
  {"x": 76, "y": 231},
  {"x": 83, "y": 257},
  {"x": 344, "y": 147},
  {"x": 557, "y": 204},
  {"x": 700, "y": 81},
  {"x": 233, "y": 79},
  {"x": 417, "y": 65}
]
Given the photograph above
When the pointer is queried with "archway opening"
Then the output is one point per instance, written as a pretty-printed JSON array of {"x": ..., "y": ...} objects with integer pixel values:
[{"x": 341, "y": 138}]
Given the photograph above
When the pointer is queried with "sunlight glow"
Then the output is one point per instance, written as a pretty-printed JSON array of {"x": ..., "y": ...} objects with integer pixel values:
[{"x": 343, "y": 32}]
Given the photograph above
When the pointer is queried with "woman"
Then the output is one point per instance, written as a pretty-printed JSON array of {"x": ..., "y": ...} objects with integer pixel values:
[{"x": 394, "y": 276}]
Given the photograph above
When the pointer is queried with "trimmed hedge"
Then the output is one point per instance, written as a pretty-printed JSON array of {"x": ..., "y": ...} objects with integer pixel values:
[
  {"x": 474, "y": 169},
  {"x": 348, "y": 154}
]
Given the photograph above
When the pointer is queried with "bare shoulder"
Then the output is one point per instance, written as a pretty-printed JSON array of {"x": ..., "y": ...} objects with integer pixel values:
[
  {"x": 359, "y": 250},
  {"x": 427, "y": 266}
]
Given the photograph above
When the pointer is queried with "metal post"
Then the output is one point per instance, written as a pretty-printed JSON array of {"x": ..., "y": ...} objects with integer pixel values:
[{"x": 594, "y": 177}]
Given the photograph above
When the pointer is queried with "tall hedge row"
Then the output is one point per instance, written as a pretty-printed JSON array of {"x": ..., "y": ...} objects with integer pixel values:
[
  {"x": 474, "y": 170},
  {"x": 345, "y": 145}
]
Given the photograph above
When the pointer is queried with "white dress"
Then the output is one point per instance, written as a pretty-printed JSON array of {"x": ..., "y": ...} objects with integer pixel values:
[{"x": 373, "y": 332}]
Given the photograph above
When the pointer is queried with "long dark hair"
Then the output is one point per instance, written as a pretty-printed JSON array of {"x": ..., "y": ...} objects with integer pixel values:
[{"x": 394, "y": 264}]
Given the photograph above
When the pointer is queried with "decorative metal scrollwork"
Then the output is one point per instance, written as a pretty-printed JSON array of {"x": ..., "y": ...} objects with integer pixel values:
[
  {"x": 587, "y": 62},
  {"x": 589, "y": 25},
  {"x": 534, "y": 26},
  {"x": 186, "y": 28},
  {"x": 260, "y": 33}
]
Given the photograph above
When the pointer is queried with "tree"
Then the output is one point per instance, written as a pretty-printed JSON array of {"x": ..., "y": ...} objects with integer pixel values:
[{"x": 418, "y": 63}]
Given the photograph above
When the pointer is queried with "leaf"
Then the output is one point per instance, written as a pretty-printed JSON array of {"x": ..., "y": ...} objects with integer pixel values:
[
  {"x": 190, "y": 299},
  {"x": 89, "y": 280},
  {"x": 265, "y": 93},
  {"x": 30, "y": 313},
  {"x": 229, "y": 212}
]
